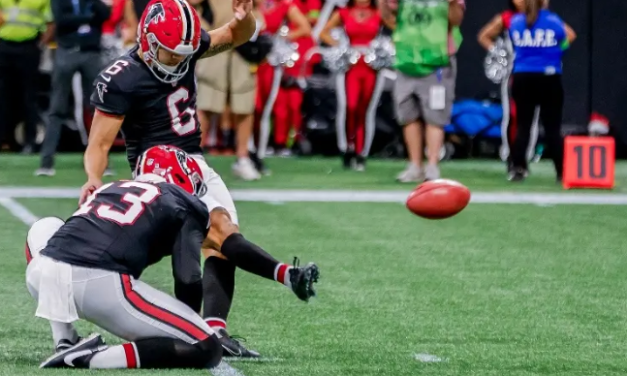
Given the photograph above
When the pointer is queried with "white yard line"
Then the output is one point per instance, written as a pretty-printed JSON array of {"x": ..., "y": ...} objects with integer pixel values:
[
  {"x": 224, "y": 369},
  {"x": 18, "y": 210},
  {"x": 273, "y": 196},
  {"x": 428, "y": 358}
]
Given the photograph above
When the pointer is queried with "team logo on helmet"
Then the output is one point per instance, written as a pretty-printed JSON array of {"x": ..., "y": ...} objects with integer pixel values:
[{"x": 155, "y": 15}]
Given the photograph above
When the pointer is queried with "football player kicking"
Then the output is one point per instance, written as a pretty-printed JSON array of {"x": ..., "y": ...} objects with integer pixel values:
[
  {"x": 89, "y": 267},
  {"x": 150, "y": 95}
]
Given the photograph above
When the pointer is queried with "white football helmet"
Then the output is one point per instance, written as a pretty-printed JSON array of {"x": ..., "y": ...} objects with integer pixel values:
[{"x": 39, "y": 234}]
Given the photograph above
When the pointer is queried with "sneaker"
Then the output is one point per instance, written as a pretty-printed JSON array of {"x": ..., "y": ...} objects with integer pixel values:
[
  {"x": 348, "y": 160},
  {"x": 108, "y": 172},
  {"x": 260, "y": 166},
  {"x": 432, "y": 172},
  {"x": 284, "y": 153},
  {"x": 245, "y": 170},
  {"x": 412, "y": 174},
  {"x": 303, "y": 278},
  {"x": 232, "y": 346},
  {"x": 45, "y": 172},
  {"x": 360, "y": 164},
  {"x": 518, "y": 175},
  {"x": 28, "y": 150},
  {"x": 77, "y": 356}
]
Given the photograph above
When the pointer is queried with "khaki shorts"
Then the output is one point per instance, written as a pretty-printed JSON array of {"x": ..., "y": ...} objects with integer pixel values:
[
  {"x": 411, "y": 96},
  {"x": 226, "y": 74}
]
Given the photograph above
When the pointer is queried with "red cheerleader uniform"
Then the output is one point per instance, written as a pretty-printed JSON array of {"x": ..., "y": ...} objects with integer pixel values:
[
  {"x": 360, "y": 78},
  {"x": 287, "y": 109},
  {"x": 117, "y": 13},
  {"x": 274, "y": 14}
]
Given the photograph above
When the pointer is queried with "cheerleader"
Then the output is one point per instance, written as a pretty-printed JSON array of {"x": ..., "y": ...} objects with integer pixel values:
[
  {"x": 498, "y": 27},
  {"x": 275, "y": 14},
  {"x": 362, "y": 22},
  {"x": 287, "y": 114}
]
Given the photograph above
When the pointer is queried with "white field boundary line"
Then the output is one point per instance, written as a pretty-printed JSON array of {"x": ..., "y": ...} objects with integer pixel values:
[
  {"x": 224, "y": 369},
  {"x": 271, "y": 195},
  {"x": 18, "y": 210}
]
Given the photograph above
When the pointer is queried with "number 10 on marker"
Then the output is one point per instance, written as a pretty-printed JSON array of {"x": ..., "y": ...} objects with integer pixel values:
[{"x": 589, "y": 162}]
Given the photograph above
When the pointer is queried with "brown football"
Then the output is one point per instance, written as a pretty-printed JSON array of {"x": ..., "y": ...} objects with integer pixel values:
[{"x": 438, "y": 199}]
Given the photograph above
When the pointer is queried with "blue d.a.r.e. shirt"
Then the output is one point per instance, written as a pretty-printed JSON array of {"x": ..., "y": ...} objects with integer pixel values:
[{"x": 538, "y": 49}]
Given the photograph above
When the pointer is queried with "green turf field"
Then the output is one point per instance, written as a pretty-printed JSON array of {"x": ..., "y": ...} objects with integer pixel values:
[{"x": 497, "y": 290}]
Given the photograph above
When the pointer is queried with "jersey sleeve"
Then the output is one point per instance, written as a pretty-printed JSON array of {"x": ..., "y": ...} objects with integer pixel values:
[
  {"x": 205, "y": 43},
  {"x": 108, "y": 95},
  {"x": 186, "y": 263}
]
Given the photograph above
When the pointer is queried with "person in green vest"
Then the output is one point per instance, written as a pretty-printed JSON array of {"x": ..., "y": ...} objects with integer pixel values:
[
  {"x": 25, "y": 26},
  {"x": 427, "y": 37}
]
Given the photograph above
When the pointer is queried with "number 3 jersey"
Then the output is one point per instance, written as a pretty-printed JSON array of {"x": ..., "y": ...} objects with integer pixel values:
[
  {"x": 126, "y": 226},
  {"x": 156, "y": 113}
]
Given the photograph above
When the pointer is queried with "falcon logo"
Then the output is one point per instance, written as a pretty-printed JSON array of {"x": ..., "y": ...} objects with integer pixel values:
[
  {"x": 155, "y": 15},
  {"x": 101, "y": 89}
]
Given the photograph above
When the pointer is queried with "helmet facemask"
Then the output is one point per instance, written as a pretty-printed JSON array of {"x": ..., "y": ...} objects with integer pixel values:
[{"x": 164, "y": 73}]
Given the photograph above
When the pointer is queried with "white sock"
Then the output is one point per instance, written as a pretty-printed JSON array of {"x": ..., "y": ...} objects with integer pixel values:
[
  {"x": 122, "y": 356},
  {"x": 62, "y": 330}
]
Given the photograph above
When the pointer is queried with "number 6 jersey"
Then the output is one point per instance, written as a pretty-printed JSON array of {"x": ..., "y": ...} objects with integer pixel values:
[{"x": 156, "y": 113}]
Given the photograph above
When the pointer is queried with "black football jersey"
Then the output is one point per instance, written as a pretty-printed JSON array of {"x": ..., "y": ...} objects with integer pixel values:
[
  {"x": 127, "y": 225},
  {"x": 156, "y": 113}
]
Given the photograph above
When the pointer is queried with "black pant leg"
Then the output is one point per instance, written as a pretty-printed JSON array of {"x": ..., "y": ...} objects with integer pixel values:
[
  {"x": 28, "y": 70},
  {"x": 525, "y": 94},
  {"x": 551, "y": 107},
  {"x": 62, "y": 74}
]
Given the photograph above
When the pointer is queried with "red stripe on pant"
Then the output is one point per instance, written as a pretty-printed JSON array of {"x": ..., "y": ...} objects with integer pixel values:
[
  {"x": 160, "y": 314},
  {"x": 360, "y": 82},
  {"x": 513, "y": 124},
  {"x": 287, "y": 114},
  {"x": 29, "y": 255},
  {"x": 131, "y": 357}
]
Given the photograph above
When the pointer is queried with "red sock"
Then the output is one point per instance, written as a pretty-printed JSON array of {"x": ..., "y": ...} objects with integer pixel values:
[
  {"x": 215, "y": 323},
  {"x": 282, "y": 275}
]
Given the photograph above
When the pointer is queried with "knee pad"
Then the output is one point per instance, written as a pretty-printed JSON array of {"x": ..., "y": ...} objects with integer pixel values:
[{"x": 40, "y": 232}]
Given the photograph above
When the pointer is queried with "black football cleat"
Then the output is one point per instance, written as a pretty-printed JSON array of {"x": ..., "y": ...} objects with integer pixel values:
[
  {"x": 233, "y": 348},
  {"x": 65, "y": 344},
  {"x": 77, "y": 356},
  {"x": 303, "y": 278}
]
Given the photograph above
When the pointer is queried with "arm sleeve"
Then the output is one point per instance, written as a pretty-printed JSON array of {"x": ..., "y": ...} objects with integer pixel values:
[
  {"x": 108, "y": 97},
  {"x": 186, "y": 264},
  {"x": 64, "y": 18},
  {"x": 205, "y": 42}
]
